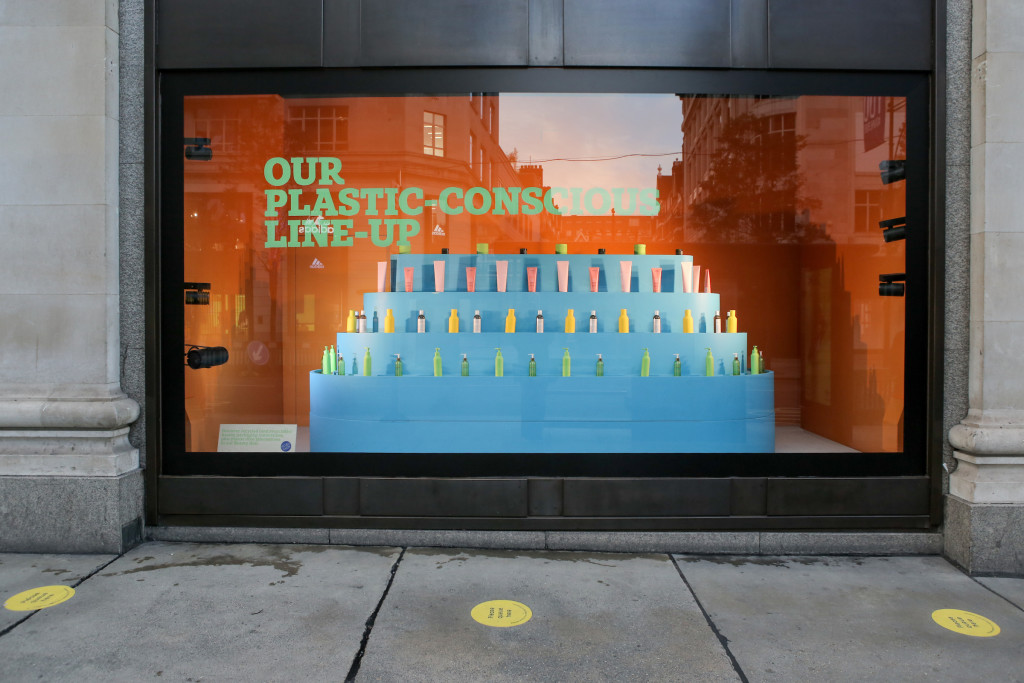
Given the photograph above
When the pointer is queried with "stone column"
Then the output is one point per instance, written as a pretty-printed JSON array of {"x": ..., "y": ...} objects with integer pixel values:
[
  {"x": 69, "y": 479},
  {"x": 985, "y": 506}
]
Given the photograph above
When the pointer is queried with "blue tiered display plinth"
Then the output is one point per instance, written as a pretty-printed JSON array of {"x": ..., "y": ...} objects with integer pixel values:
[{"x": 619, "y": 412}]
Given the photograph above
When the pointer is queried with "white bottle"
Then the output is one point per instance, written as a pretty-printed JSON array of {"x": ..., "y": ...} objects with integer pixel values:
[
  {"x": 361, "y": 323},
  {"x": 656, "y": 323},
  {"x": 540, "y": 321},
  {"x": 476, "y": 321},
  {"x": 421, "y": 322},
  {"x": 593, "y": 321}
]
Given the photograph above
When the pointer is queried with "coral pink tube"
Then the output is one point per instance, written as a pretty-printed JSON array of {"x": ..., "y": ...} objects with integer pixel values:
[
  {"x": 502, "y": 273},
  {"x": 438, "y": 276},
  {"x": 625, "y": 274},
  {"x": 595, "y": 275},
  {"x": 563, "y": 275},
  {"x": 470, "y": 278},
  {"x": 656, "y": 279},
  {"x": 382, "y": 271},
  {"x": 531, "y": 279},
  {"x": 696, "y": 279},
  {"x": 687, "y": 276},
  {"x": 409, "y": 274}
]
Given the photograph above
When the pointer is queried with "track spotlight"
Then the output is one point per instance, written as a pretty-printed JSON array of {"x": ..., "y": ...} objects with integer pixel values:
[
  {"x": 197, "y": 357},
  {"x": 198, "y": 149},
  {"x": 892, "y": 284},
  {"x": 893, "y": 170},
  {"x": 894, "y": 229}
]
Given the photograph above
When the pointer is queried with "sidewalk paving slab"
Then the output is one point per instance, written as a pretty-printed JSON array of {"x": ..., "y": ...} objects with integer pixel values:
[
  {"x": 23, "y": 571},
  {"x": 1010, "y": 588},
  {"x": 854, "y": 618},
  {"x": 596, "y": 617},
  {"x": 168, "y": 611}
]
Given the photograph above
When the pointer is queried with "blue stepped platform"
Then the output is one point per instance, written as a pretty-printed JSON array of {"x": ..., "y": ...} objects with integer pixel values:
[{"x": 542, "y": 414}]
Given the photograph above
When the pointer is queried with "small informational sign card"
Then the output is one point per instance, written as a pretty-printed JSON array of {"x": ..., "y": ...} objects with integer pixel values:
[{"x": 256, "y": 438}]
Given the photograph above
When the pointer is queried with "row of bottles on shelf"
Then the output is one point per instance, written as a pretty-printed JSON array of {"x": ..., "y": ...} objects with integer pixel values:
[
  {"x": 357, "y": 321},
  {"x": 333, "y": 363},
  {"x": 690, "y": 277}
]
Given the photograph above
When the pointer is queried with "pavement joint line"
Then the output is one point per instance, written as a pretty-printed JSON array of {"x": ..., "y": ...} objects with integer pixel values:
[
  {"x": 989, "y": 589},
  {"x": 714, "y": 629},
  {"x": 358, "y": 659},
  {"x": 78, "y": 583}
]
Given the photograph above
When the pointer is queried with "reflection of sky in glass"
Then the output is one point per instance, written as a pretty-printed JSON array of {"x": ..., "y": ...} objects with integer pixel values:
[{"x": 543, "y": 127}]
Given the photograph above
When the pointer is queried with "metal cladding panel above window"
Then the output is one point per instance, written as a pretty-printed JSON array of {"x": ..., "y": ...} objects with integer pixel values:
[
  {"x": 445, "y": 33},
  {"x": 850, "y": 34},
  {"x": 692, "y": 33},
  {"x": 210, "y": 34}
]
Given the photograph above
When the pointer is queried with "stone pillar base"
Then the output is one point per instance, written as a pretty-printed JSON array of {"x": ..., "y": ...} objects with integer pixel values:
[
  {"x": 985, "y": 539},
  {"x": 71, "y": 514}
]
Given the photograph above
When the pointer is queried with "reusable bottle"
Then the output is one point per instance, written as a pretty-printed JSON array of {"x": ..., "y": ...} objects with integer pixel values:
[
  {"x": 510, "y": 321},
  {"x": 709, "y": 363},
  {"x": 570, "y": 322},
  {"x": 731, "y": 325},
  {"x": 593, "y": 321},
  {"x": 465, "y": 366},
  {"x": 341, "y": 364},
  {"x": 687, "y": 321},
  {"x": 376, "y": 322},
  {"x": 398, "y": 365},
  {"x": 437, "y": 362},
  {"x": 645, "y": 364},
  {"x": 755, "y": 362},
  {"x": 453, "y": 321},
  {"x": 499, "y": 364},
  {"x": 677, "y": 367},
  {"x": 656, "y": 323},
  {"x": 421, "y": 322},
  {"x": 565, "y": 362},
  {"x": 718, "y": 321},
  {"x": 366, "y": 363},
  {"x": 325, "y": 363},
  {"x": 350, "y": 322},
  {"x": 332, "y": 362},
  {"x": 540, "y": 321},
  {"x": 533, "y": 366},
  {"x": 476, "y": 321},
  {"x": 736, "y": 363},
  {"x": 389, "y": 321},
  {"x": 600, "y": 366},
  {"x": 623, "y": 321}
]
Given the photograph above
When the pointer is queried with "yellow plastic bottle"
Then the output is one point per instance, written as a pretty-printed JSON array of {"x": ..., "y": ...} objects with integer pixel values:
[
  {"x": 623, "y": 321},
  {"x": 510, "y": 320},
  {"x": 350, "y": 322},
  {"x": 453, "y": 321},
  {"x": 570, "y": 322},
  {"x": 731, "y": 325},
  {"x": 687, "y": 321},
  {"x": 389, "y": 321}
]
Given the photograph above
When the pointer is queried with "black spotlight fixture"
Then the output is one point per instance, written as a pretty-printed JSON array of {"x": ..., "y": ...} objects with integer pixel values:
[
  {"x": 197, "y": 357},
  {"x": 892, "y": 284},
  {"x": 197, "y": 293},
  {"x": 894, "y": 229},
  {"x": 893, "y": 170},
  {"x": 198, "y": 149}
]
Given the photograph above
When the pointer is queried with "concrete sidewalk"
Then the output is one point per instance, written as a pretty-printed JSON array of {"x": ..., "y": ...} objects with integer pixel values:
[{"x": 221, "y": 612}]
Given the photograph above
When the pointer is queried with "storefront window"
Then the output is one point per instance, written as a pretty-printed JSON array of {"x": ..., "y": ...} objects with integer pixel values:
[{"x": 695, "y": 214}]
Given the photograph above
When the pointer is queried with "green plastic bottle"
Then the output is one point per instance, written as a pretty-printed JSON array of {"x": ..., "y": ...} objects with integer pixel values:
[
  {"x": 565, "y": 362},
  {"x": 437, "y": 361},
  {"x": 533, "y": 366},
  {"x": 499, "y": 364},
  {"x": 465, "y": 366},
  {"x": 325, "y": 364},
  {"x": 735, "y": 363},
  {"x": 398, "y": 365},
  {"x": 709, "y": 363},
  {"x": 332, "y": 361},
  {"x": 677, "y": 368},
  {"x": 341, "y": 364},
  {"x": 600, "y": 366},
  {"x": 645, "y": 364},
  {"x": 755, "y": 362},
  {"x": 366, "y": 363}
]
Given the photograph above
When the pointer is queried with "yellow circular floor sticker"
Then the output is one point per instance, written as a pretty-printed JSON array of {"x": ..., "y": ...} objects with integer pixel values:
[
  {"x": 501, "y": 613},
  {"x": 39, "y": 598},
  {"x": 968, "y": 623}
]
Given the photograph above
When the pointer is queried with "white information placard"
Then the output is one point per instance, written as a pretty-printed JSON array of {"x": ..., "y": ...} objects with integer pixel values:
[{"x": 256, "y": 438}]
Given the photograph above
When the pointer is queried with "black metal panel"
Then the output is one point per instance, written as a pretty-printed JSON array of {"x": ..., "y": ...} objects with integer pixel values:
[
  {"x": 850, "y": 34},
  {"x": 443, "y": 497},
  {"x": 203, "y": 34},
  {"x": 445, "y": 33},
  {"x": 341, "y": 32},
  {"x": 689, "y": 33},
  {"x": 749, "y": 42},
  {"x": 645, "y": 497},
  {"x": 241, "y": 496},
  {"x": 545, "y": 497},
  {"x": 896, "y": 496},
  {"x": 748, "y": 497},
  {"x": 546, "y": 33},
  {"x": 341, "y": 496}
]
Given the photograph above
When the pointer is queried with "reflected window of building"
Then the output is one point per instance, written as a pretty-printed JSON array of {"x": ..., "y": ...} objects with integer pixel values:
[
  {"x": 433, "y": 134},
  {"x": 318, "y": 128}
]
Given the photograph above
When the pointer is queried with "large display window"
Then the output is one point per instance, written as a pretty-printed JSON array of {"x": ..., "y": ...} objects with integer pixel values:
[{"x": 703, "y": 277}]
